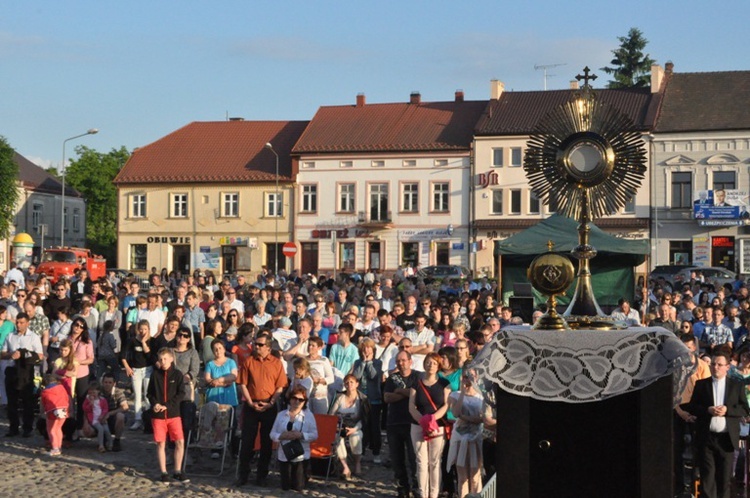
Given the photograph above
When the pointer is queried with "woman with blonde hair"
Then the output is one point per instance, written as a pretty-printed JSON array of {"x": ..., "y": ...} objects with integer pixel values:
[{"x": 368, "y": 371}]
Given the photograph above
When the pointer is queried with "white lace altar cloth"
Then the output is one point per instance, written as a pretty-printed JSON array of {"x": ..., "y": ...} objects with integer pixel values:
[{"x": 579, "y": 366}]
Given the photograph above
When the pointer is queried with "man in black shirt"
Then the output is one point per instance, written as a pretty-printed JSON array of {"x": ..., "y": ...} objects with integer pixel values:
[
  {"x": 398, "y": 425},
  {"x": 406, "y": 319},
  {"x": 58, "y": 300}
]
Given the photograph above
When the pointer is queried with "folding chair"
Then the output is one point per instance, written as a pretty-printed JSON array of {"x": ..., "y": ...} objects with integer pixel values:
[
  {"x": 324, "y": 448},
  {"x": 214, "y": 433}
]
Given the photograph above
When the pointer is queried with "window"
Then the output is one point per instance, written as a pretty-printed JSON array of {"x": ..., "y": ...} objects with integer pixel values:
[
  {"x": 308, "y": 165},
  {"x": 682, "y": 190},
  {"x": 724, "y": 180},
  {"x": 440, "y": 196},
  {"x": 515, "y": 202},
  {"x": 410, "y": 254},
  {"x": 346, "y": 255},
  {"x": 497, "y": 202},
  {"x": 179, "y": 205},
  {"x": 534, "y": 206},
  {"x": 516, "y": 158},
  {"x": 309, "y": 198},
  {"x": 138, "y": 206},
  {"x": 497, "y": 157},
  {"x": 274, "y": 204},
  {"x": 409, "y": 163},
  {"x": 410, "y": 197},
  {"x": 76, "y": 220},
  {"x": 378, "y": 164},
  {"x": 37, "y": 213},
  {"x": 346, "y": 164},
  {"x": 65, "y": 220},
  {"x": 346, "y": 197},
  {"x": 138, "y": 256},
  {"x": 379, "y": 202},
  {"x": 231, "y": 205},
  {"x": 441, "y": 162}
]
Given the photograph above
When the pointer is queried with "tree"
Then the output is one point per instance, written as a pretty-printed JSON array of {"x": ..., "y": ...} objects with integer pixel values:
[
  {"x": 631, "y": 68},
  {"x": 8, "y": 187},
  {"x": 92, "y": 174}
]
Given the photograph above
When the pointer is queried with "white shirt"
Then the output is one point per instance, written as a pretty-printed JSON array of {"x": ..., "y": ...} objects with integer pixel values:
[
  {"x": 154, "y": 318},
  {"x": 303, "y": 422},
  {"x": 718, "y": 424},
  {"x": 16, "y": 275}
]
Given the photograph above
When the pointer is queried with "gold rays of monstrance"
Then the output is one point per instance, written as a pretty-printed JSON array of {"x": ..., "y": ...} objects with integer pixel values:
[{"x": 585, "y": 160}]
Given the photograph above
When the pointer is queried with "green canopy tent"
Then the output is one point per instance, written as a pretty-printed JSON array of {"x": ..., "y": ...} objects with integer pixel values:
[{"x": 611, "y": 269}]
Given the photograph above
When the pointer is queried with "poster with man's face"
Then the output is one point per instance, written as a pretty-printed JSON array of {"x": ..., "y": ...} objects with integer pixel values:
[{"x": 721, "y": 204}]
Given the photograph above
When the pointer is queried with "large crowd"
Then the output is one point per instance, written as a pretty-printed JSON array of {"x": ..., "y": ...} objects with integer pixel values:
[{"x": 385, "y": 354}]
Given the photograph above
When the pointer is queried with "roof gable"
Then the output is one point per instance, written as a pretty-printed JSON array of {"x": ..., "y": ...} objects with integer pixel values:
[
  {"x": 217, "y": 151},
  {"x": 35, "y": 178},
  {"x": 396, "y": 127}
]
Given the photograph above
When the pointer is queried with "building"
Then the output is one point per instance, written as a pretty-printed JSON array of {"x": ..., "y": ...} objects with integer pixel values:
[
  {"x": 701, "y": 146},
  {"x": 207, "y": 196},
  {"x": 38, "y": 212},
  {"x": 502, "y": 201},
  {"x": 384, "y": 186}
]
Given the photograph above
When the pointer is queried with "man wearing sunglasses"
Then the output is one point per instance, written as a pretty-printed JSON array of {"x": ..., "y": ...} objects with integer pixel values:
[{"x": 261, "y": 380}]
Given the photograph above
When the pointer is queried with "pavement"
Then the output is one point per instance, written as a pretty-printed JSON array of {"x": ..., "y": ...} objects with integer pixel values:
[{"x": 82, "y": 471}]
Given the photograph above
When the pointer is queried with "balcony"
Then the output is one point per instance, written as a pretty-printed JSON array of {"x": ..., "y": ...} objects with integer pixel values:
[{"x": 375, "y": 220}]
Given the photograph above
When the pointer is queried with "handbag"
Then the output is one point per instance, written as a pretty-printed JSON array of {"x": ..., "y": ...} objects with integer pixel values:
[
  {"x": 292, "y": 449},
  {"x": 426, "y": 423}
]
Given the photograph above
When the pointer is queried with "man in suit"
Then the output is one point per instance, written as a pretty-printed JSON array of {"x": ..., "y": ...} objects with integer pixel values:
[{"x": 718, "y": 403}]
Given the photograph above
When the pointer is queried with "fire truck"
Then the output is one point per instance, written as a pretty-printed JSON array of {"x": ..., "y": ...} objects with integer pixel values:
[{"x": 64, "y": 261}]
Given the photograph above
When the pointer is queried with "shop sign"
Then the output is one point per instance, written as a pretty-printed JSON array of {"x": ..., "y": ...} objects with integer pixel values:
[
  {"x": 168, "y": 240},
  {"x": 342, "y": 233},
  {"x": 701, "y": 250},
  {"x": 251, "y": 242},
  {"x": 484, "y": 180},
  {"x": 415, "y": 235}
]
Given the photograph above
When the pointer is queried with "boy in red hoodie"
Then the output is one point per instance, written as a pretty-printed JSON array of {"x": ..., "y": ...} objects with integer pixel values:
[
  {"x": 55, "y": 403},
  {"x": 165, "y": 392}
]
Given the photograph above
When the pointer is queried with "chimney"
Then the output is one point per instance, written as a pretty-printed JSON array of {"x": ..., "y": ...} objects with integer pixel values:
[
  {"x": 236, "y": 119},
  {"x": 497, "y": 88},
  {"x": 574, "y": 85},
  {"x": 360, "y": 100},
  {"x": 415, "y": 98},
  {"x": 657, "y": 76},
  {"x": 459, "y": 95},
  {"x": 669, "y": 66}
]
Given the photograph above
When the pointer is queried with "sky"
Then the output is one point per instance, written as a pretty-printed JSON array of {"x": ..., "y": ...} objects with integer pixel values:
[{"x": 138, "y": 70}]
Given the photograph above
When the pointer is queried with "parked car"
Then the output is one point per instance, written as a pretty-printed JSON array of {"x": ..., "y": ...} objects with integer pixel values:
[
  {"x": 122, "y": 274},
  {"x": 667, "y": 272},
  {"x": 711, "y": 274},
  {"x": 444, "y": 271}
]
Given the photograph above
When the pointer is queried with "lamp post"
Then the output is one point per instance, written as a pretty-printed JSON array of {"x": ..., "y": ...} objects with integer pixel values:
[
  {"x": 269, "y": 146},
  {"x": 92, "y": 131}
]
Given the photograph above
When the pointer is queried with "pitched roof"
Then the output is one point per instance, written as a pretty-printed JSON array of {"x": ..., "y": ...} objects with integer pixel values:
[
  {"x": 218, "y": 151},
  {"x": 395, "y": 127},
  {"x": 705, "y": 102},
  {"x": 37, "y": 179},
  {"x": 517, "y": 113}
]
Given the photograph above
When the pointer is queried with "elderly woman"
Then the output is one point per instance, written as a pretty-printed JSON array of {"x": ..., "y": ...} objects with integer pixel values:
[
  {"x": 428, "y": 404},
  {"x": 296, "y": 423},
  {"x": 369, "y": 373}
]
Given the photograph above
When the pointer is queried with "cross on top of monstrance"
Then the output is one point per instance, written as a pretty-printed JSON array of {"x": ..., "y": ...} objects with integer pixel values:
[{"x": 585, "y": 76}]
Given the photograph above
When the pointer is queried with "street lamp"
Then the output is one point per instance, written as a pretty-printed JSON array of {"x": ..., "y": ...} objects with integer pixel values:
[
  {"x": 269, "y": 146},
  {"x": 92, "y": 131}
]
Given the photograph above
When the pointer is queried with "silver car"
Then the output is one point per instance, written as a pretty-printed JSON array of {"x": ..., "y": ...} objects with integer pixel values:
[{"x": 711, "y": 274}]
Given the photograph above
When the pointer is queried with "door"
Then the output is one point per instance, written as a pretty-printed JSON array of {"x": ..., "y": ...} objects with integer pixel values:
[
  {"x": 310, "y": 257},
  {"x": 228, "y": 259},
  {"x": 442, "y": 253},
  {"x": 181, "y": 258},
  {"x": 274, "y": 256},
  {"x": 373, "y": 258}
]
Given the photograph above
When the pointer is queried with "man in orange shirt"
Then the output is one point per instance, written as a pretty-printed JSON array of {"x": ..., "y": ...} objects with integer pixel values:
[{"x": 261, "y": 379}]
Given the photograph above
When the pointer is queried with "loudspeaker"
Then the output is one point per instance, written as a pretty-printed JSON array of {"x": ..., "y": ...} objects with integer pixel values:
[
  {"x": 523, "y": 307},
  {"x": 522, "y": 289}
]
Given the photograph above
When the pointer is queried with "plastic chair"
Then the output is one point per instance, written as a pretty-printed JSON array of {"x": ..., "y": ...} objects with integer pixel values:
[
  {"x": 324, "y": 448},
  {"x": 215, "y": 428}
]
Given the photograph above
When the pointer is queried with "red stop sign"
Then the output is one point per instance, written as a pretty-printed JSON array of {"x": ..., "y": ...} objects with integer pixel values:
[{"x": 289, "y": 249}]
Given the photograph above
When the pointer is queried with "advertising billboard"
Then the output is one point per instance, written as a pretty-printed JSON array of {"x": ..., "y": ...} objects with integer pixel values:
[{"x": 722, "y": 205}]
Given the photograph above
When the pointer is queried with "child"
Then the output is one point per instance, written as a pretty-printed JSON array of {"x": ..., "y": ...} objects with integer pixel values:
[
  {"x": 165, "y": 392},
  {"x": 95, "y": 409},
  {"x": 55, "y": 402}
]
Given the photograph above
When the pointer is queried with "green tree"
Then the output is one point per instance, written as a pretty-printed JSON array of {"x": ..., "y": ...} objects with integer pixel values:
[
  {"x": 8, "y": 187},
  {"x": 92, "y": 174},
  {"x": 631, "y": 68}
]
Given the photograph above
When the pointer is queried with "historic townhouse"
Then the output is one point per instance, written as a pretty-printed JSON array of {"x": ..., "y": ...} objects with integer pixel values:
[
  {"x": 385, "y": 185},
  {"x": 206, "y": 196},
  {"x": 503, "y": 203},
  {"x": 702, "y": 147}
]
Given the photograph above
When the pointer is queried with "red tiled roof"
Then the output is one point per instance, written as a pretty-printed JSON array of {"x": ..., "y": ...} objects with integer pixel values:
[
  {"x": 705, "y": 102},
  {"x": 396, "y": 127},
  {"x": 517, "y": 113},
  {"x": 36, "y": 178},
  {"x": 220, "y": 151}
]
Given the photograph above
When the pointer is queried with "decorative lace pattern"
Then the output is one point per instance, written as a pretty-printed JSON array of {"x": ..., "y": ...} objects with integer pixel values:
[{"x": 581, "y": 366}]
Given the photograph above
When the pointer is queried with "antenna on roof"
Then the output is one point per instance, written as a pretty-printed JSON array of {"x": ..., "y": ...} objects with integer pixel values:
[{"x": 537, "y": 67}]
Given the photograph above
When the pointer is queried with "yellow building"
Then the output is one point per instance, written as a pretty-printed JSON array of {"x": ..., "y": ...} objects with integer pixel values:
[{"x": 209, "y": 196}]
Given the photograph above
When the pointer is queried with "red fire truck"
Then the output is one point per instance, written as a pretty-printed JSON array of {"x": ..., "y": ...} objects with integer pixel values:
[{"x": 64, "y": 261}]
